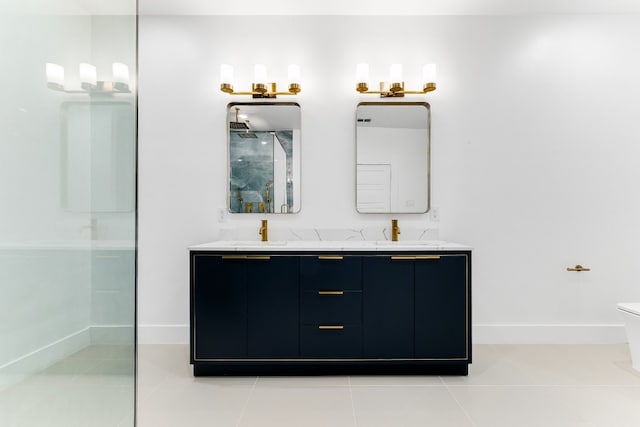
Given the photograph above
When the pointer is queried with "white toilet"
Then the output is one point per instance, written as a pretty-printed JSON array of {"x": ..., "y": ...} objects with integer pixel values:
[{"x": 631, "y": 314}]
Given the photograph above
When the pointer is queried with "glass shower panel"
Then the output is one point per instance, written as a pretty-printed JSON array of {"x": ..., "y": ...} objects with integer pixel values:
[{"x": 67, "y": 214}]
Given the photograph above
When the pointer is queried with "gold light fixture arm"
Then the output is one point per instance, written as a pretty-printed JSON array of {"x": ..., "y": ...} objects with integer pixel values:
[
  {"x": 259, "y": 90},
  {"x": 396, "y": 90}
]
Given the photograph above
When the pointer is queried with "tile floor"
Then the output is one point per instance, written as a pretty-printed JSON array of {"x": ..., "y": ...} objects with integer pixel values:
[
  {"x": 92, "y": 388},
  {"x": 508, "y": 385}
]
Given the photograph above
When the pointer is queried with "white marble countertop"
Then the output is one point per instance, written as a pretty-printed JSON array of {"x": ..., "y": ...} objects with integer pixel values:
[{"x": 329, "y": 245}]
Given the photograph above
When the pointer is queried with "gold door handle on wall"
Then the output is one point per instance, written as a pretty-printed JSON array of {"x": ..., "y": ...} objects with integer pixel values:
[
  {"x": 330, "y": 292},
  {"x": 331, "y": 327},
  {"x": 331, "y": 257},
  {"x": 578, "y": 267}
]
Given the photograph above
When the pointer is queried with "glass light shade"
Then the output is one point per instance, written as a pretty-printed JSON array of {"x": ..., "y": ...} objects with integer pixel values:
[
  {"x": 55, "y": 74},
  {"x": 362, "y": 73},
  {"x": 260, "y": 74},
  {"x": 429, "y": 73},
  {"x": 226, "y": 74},
  {"x": 294, "y": 73},
  {"x": 120, "y": 73},
  {"x": 395, "y": 73},
  {"x": 88, "y": 74}
]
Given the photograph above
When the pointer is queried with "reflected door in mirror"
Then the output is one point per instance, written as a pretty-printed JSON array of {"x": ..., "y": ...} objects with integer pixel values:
[{"x": 392, "y": 155}]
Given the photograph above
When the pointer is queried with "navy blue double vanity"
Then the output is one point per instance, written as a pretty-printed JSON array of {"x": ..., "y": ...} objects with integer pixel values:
[{"x": 273, "y": 308}]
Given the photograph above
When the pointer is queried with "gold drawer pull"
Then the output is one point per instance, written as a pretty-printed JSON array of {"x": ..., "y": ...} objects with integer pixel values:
[
  {"x": 331, "y": 327},
  {"x": 331, "y": 257},
  {"x": 330, "y": 292},
  {"x": 428, "y": 257},
  {"x": 578, "y": 267},
  {"x": 261, "y": 257}
]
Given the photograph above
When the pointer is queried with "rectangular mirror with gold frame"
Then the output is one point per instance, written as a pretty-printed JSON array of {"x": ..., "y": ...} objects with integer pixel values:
[
  {"x": 264, "y": 157},
  {"x": 393, "y": 157}
]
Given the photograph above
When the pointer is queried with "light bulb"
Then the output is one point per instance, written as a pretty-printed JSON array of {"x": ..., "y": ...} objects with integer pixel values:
[
  {"x": 88, "y": 75},
  {"x": 395, "y": 73},
  {"x": 120, "y": 76},
  {"x": 55, "y": 76},
  {"x": 362, "y": 73},
  {"x": 226, "y": 74},
  {"x": 429, "y": 73},
  {"x": 260, "y": 74},
  {"x": 294, "y": 73}
]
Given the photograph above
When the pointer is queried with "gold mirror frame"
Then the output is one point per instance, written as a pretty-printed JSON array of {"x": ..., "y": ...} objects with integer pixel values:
[{"x": 393, "y": 156}]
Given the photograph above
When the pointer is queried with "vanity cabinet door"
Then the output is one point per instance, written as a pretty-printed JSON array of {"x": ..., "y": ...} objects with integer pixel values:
[
  {"x": 388, "y": 307},
  {"x": 219, "y": 307},
  {"x": 441, "y": 307},
  {"x": 273, "y": 314},
  {"x": 245, "y": 306}
]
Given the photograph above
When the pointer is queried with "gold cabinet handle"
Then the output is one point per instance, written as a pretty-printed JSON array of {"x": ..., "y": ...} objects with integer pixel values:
[
  {"x": 331, "y": 327},
  {"x": 578, "y": 267},
  {"x": 331, "y": 257},
  {"x": 260, "y": 257},
  {"x": 436, "y": 257},
  {"x": 330, "y": 292}
]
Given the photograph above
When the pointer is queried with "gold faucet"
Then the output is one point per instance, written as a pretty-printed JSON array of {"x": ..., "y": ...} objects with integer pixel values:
[
  {"x": 264, "y": 232},
  {"x": 395, "y": 230}
]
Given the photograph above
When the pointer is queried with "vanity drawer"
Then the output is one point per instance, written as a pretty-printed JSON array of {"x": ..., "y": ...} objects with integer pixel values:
[
  {"x": 320, "y": 272},
  {"x": 331, "y": 306},
  {"x": 330, "y": 340}
]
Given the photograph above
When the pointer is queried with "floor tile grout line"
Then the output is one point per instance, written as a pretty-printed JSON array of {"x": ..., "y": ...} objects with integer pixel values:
[
  {"x": 353, "y": 403},
  {"x": 246, "y": 403},
  {"x": 455, "y": 399}
]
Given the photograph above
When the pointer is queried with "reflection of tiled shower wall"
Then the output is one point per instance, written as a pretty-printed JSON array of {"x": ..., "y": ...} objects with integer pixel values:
[{"x": 251, "y": 168}]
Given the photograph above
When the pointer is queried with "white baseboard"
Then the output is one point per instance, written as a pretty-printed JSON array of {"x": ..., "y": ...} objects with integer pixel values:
[
  {"x": 40, "y": 359},
  {"x": 548, "y": 334},
  {"x": 163, "y": 334}
]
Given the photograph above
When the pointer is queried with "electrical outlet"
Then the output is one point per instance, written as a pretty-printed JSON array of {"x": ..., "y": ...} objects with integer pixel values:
[
  {"x": 222, "y": 215},
  {"x": 435, "y": 214}
]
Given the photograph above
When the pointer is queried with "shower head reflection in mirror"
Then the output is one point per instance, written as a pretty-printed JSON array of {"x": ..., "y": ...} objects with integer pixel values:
[{"x": 264, "y": 157}]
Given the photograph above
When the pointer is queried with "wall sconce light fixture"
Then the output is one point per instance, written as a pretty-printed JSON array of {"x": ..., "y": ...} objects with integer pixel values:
[
  {"x": 261, "y": 87},
  {"x": 396, "y": 83},
  {"x": 89, "y": 82}
]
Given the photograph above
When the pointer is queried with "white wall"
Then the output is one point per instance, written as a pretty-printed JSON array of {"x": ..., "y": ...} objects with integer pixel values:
[{"x": 535, "y": 153}]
